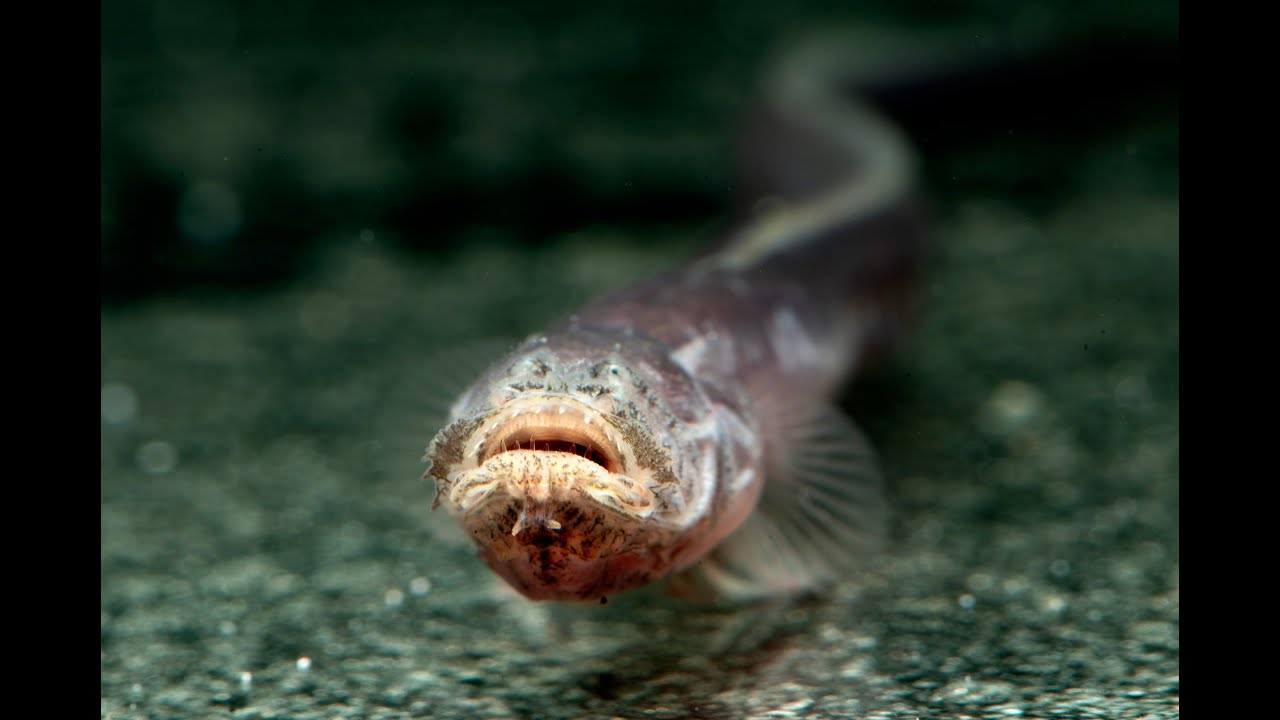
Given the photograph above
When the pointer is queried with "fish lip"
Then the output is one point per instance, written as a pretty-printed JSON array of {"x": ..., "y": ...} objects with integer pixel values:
[
  {"x": 543, "y": 451},
  {"x": 522, "y": 477},
  {"x": 557, "y": 542},
  {"x": 555, "y": 421},
  {"x": 513, "y": 482}
]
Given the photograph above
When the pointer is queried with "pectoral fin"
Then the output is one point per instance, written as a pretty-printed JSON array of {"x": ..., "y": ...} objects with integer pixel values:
[{"x": 821, "y": 514}]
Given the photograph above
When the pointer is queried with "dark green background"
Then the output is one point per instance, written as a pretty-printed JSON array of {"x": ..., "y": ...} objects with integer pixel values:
[{"x": 315, "y": 216}]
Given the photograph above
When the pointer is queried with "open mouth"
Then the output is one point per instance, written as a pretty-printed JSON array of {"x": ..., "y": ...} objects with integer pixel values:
[
  {"x": 542, "y": 464},
  {"x": 554, "y": 426}
]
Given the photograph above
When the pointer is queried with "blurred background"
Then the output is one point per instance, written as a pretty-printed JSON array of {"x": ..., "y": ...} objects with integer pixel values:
[
  {"x": 320, "y": 219},
  {"x": 237, "y": 137}
]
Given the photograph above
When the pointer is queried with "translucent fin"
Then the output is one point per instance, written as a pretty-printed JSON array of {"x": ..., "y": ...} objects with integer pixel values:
[
  {"x": 822, "y": 513},
  {"x": 414, "y": 404},
  {"x": 450, "y": 371},
  {"x": 414, "y": 400}
]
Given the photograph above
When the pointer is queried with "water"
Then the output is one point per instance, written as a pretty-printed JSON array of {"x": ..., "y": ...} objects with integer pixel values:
[{"x": 268, "y": 548}]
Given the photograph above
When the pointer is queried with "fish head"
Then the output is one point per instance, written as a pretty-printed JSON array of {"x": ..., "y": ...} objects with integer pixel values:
[{"x": 569, "y": 466}]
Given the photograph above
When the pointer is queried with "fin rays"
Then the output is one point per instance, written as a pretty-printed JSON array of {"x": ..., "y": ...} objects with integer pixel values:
[{"x": 821, "y": 513}]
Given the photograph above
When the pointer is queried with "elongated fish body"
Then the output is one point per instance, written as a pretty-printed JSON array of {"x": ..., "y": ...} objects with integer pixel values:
[{"x": 682, "y": 428}]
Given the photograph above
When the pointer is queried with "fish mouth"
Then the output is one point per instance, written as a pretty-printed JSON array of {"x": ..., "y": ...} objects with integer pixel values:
[
  {"x": 560, "y": 426},
  {"x": 544, "y": 452},
  {"x": 562, "y": 499}
]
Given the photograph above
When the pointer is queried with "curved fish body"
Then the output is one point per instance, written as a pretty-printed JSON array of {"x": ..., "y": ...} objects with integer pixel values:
[{"x": 683, "y": 427}]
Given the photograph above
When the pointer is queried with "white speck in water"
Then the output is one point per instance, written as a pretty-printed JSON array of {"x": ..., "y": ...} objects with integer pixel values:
[
  {"x": 980, "y": 582},
  {"x": 119, "y": 403},
  {"x": 324, "y": 316},
  {"x": 157, "y": 458},
  {"x": 966, "y": 601},
  {"x": 227, "y": 628},
  {"x": 303, "y": 664},
  {"x": 246, "y": 681},
  {"x": 1011, "y": 406},
  {"x": 1015, "y": 586},
  {"x": 209, "y": 213},
  {"x": 856, "y": 668},
  {"x": 393, "y": 598},
  {"x": 366, "y": 235},
  {"x": 419, "y": 586},
  {"x": 1060, "y": 568},
  {"x": 1054, "y": 604},
  {"x": 1133, "y": 391}
]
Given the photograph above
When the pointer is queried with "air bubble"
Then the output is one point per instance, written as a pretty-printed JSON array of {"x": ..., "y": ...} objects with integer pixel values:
[{"x": 157, "y": 457}]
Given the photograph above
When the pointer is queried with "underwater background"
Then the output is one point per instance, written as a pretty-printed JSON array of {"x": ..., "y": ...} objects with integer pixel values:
[{"x": 317, "y": 218}]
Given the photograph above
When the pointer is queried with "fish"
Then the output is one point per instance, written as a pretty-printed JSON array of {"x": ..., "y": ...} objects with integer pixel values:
[{"x": 684, "y": 430}]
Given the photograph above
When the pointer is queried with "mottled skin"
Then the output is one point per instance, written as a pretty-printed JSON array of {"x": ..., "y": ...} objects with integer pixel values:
[
  {"x": 622, "y": 445},
  {"x": 654, "y": 425}
]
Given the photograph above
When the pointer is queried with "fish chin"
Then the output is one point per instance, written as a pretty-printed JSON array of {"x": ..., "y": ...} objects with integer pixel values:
[{"x": 558, "y": 526}]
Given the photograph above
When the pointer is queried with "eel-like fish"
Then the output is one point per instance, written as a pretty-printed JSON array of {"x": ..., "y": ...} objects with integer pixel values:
[{"x": 683, "y": 427}]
